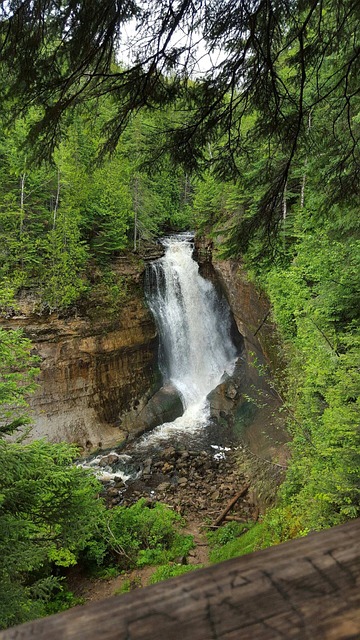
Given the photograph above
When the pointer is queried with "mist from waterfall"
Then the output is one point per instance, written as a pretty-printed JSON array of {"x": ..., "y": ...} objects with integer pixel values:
[{"x": 194, "y": 329}]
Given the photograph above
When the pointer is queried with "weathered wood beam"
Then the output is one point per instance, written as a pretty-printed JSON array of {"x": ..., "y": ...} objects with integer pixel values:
[{"x": 307, "y": 589}]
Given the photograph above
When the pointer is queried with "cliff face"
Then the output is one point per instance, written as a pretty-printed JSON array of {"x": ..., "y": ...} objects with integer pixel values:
[
  {"x": 96, "y": 374},
  {"x": 99, "y": 382},
  {"x": 251, "y": 310},
  {"x": 253, "y": 403}
]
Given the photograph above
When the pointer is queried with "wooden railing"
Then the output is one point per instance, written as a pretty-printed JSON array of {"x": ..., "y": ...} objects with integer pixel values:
[{"x": 307, "y": 589}]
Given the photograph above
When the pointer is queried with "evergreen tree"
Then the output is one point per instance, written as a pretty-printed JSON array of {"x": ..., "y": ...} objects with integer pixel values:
[
  {"x": 48, "y": 514},
  {"x": 281, "y": 61}
]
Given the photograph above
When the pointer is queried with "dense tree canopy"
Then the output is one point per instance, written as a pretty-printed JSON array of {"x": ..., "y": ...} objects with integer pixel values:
[
  {"x": 57, "y": 218},
  {"x": 282, "y": 62},
  {"x": 260, "y": 151}
]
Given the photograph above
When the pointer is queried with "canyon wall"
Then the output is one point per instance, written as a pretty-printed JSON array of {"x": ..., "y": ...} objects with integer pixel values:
[
  {"x": 250, "y": 399},
  {"x": 99, "y": 383},
  {"x": 97, "y": 373}
]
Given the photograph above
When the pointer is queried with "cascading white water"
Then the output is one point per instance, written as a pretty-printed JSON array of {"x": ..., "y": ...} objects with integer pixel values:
[
  {"x": 195, "y": 351},
  {"x": 194, "y": 328}
]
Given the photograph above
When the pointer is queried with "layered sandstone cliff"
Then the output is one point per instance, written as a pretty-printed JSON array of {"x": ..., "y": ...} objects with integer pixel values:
[
  {"x": 98, "y": 369},
  {"x": 92, "y": 372}
]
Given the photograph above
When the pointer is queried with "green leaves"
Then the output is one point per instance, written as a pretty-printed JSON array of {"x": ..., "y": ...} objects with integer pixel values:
[
  {"x": 17, "y": 379},
  {"x": 316, "y": 306},
  {"x": 58, "y": 220},
  {"x": 140, "y": 535},
  {"x": 48, "y": 512}
]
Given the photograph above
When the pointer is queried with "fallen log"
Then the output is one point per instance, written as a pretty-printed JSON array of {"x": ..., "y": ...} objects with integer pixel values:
[
  {"x": 229, "y": 506},
  {"x": 235, "y": 519}
]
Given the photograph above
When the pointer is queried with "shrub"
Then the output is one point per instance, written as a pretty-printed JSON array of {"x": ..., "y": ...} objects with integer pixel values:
[{"x": 167, "y": 571}]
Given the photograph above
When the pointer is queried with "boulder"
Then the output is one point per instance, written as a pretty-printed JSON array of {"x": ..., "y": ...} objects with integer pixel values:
[{"x": 164, "y": 406}]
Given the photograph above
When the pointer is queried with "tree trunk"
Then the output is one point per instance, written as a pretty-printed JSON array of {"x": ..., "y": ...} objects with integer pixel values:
[
  {"x": 22, "y": 198},
  {"x": 284, "y": 214},
  {"x": 302, "y": 193},
  {"x": 56, "y": 205},
  {"x": 136, "y": 210}
]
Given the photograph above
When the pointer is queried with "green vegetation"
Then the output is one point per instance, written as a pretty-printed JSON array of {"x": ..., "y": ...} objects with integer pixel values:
[
  {"x": 127, "y": 586},
  {"x": 17, "y": 379},
  {"x": 51, "y": 518},
  {"x": 171, "y": 571},
  {"x": 228, "y": 541},
  {"x": 267, "y": 151},
  {"x": 48, "y": 510},
  {"x": 64, "y": 220},
  {"x": 137, "y": 536}
]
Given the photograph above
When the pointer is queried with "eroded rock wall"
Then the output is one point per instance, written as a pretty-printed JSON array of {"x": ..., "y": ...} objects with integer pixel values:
[
  {"x": 96, "y": 374},
  {"x": 250, "y": 398}
]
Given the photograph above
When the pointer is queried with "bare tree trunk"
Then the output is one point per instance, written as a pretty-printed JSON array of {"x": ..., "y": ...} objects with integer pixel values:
[
  {"x": 22, "y": 215},
  {"x": 22, "y": 198},
  {"x": 136, "y": 191},
  {"x": 56, "y": 205},
  {"x": 186, "y": 188},
  {"x": 284, "y": 214},
  {"x": 136, "y": 209},
  {"x": 302, "y": 193},
  {"x": 135, "y": 230}
]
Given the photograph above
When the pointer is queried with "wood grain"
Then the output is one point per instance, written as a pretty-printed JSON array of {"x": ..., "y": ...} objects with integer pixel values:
[{"x": 306, "y": 589}]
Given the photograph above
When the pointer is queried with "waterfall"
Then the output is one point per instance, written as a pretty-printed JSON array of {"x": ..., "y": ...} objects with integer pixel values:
[
  {"x": 196, "y": 350},
  {"x": 194, "y": 330}
]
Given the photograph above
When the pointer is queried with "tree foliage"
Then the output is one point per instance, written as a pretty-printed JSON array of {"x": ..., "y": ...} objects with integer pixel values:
[
  {"x": 281, "y": 62},
  {"x": 17, "y": 379},
  {"x": 60, "y": 218},
  {"x": 48, "y": 511},
  {"x": 316, "y": 306},
  {"x": 139, "y": 535}
]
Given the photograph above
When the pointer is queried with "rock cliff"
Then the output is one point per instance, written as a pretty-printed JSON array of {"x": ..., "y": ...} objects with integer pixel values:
[
  {"x": 97, "y": 370},
  {"x": 92, "y": 372},
  {"x": 248, "y": 400}
]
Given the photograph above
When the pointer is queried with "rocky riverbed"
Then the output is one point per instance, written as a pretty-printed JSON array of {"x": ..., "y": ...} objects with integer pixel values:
[
  {"x": 198, "y": 484},
  {"x": 192, "y": 482}
]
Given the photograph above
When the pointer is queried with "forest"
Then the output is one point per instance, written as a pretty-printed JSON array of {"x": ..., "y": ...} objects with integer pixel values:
[{"x": 260, "y": 154}]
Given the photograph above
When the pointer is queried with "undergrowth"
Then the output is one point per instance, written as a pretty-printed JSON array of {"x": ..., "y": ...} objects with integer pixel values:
[
  {"x": 137, "y": 536},
  {"x": 167, "y": 571}
]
